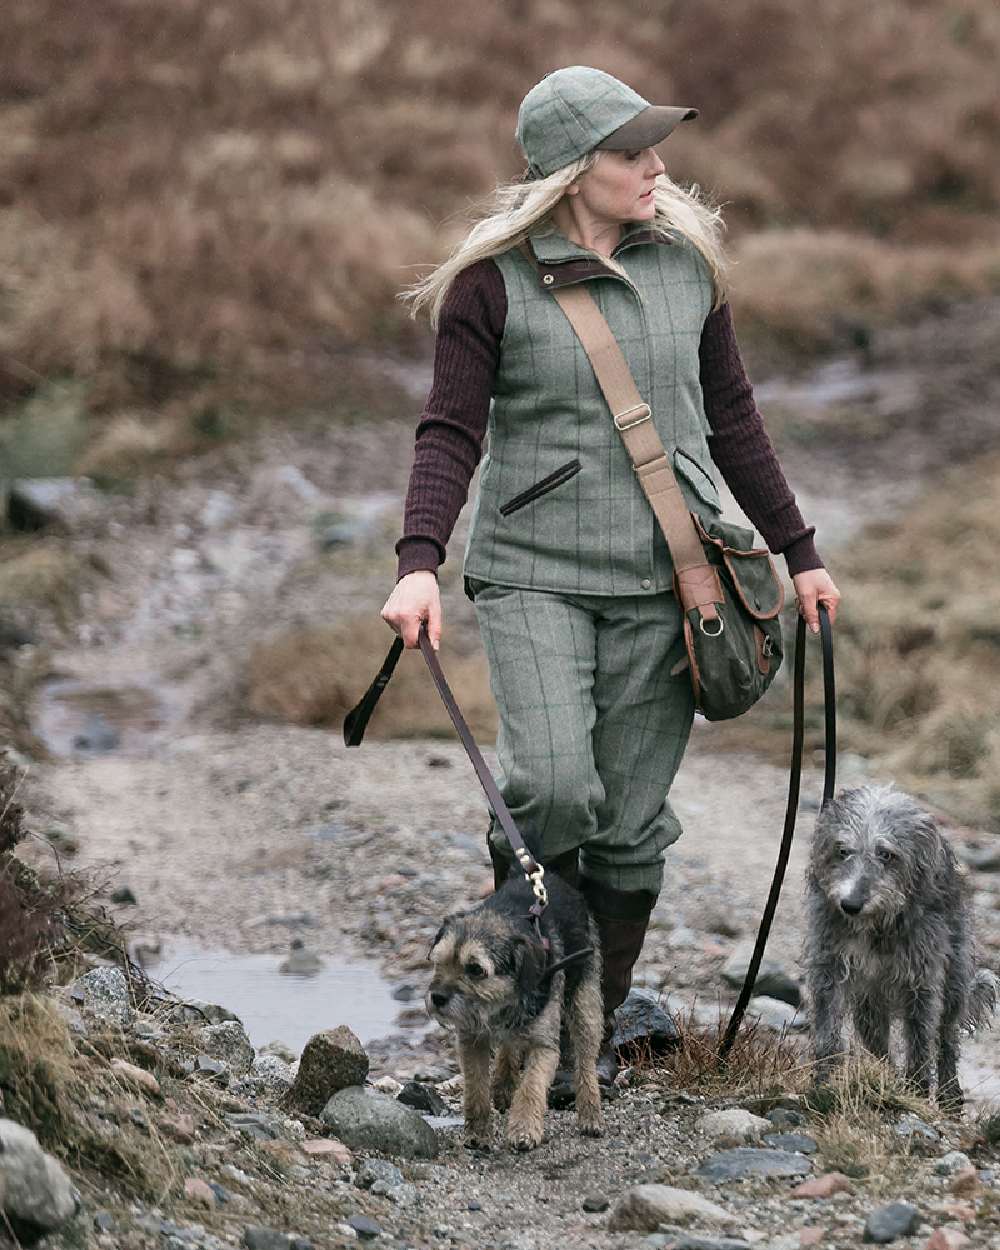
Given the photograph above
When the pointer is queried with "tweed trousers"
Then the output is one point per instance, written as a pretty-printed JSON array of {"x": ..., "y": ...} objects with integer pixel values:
[{"x": 592, "y": 725}]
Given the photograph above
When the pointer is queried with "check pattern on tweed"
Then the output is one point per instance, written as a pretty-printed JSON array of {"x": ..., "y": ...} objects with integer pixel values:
[{"x": 593, "y": 726}]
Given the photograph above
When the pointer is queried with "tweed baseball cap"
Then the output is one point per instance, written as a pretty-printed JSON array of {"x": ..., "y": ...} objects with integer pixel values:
[{"x": 576, "y": 109}]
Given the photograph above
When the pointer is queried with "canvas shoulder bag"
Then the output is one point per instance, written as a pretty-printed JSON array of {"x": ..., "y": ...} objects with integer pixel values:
[{"x": 729, "y": 590}]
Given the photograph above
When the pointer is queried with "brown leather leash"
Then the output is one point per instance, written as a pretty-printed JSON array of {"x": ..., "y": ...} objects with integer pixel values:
[
  {"x": 354, "y": 730},
  {"x": 794, "y": 779}
]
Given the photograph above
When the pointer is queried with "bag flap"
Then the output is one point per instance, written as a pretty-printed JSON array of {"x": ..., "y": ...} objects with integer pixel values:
[
  {"x": 751, "y": 569},
  {"x": 696, "y": 477}
]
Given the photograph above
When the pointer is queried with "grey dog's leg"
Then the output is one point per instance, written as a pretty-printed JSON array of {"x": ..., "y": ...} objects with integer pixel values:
[
  {"x": 828, "y": 1016},
  {"x": 474, "y": 1056},
  {"x": 505, "y": 1076},
  {"x": 586, "y": 1022},
  {"x": 953, "y": 1009},
  {"x": 921, "y": 1020},
  {"x": 871, "y": 1019}
]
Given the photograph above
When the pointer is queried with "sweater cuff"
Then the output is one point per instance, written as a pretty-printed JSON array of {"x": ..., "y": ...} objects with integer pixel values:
[
  {"x": 801, "y": 555},
  {"x": 416, "y": 554}
]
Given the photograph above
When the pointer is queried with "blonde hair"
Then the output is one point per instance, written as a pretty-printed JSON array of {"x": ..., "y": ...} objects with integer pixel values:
[{"x": 516, "y": 209}]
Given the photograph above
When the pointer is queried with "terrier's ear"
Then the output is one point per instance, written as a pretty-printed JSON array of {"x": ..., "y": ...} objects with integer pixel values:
[
  {"x": 529, "y": 963},
  {"x": 439, "y": 935}
]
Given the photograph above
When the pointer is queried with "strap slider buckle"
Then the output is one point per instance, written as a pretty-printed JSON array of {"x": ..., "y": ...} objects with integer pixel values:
[{"x": 632, "y": 416}]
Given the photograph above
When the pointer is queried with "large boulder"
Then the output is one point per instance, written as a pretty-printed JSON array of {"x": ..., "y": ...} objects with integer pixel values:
[
  {"x": 331, "y": 1061},
  {"x": 365, "y": 1120},
  {"x": 35, "y": 1191}
]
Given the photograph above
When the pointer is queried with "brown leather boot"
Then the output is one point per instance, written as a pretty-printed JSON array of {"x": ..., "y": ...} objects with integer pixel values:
[{"x": 622, "y": 918}]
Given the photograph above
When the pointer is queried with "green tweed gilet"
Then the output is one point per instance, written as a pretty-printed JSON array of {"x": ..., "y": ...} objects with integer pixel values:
[{"x": 559, "y": 506}]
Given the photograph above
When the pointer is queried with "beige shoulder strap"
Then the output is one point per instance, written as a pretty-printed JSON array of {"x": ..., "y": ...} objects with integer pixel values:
[{"x": 697, "y": 581}]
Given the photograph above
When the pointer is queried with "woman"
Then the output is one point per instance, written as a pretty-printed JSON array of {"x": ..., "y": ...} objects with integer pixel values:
[{"x": 570, "y": 575}]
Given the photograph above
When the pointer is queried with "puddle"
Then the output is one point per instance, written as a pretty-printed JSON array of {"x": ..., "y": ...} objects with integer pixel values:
[
  {"x": 276, "y": 1006},
  {"x": 74, "y": 717}
]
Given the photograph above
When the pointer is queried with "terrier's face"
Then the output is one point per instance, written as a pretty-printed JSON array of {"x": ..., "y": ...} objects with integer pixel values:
[{"x": 481, "y": 965}]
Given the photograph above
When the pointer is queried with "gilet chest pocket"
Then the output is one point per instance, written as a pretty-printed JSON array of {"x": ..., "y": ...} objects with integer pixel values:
[{"x": 541, "y": 487}]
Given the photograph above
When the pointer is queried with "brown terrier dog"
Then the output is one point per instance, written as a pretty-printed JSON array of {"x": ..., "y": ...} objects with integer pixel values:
[{"x": 495, "y": 984}]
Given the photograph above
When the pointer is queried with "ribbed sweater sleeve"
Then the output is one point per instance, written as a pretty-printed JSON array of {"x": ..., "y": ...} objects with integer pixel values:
[
  {"x": 449, "y": 440},
  {"x": 740, "y": 446}
]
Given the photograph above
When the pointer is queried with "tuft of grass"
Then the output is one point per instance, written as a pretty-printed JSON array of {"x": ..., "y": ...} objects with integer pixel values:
[{"x": 761, "y": 1063}]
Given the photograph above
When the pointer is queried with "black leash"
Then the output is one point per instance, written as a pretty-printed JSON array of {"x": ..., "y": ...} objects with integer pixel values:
[
  {"x": 354, "y": 731},
  {"x": 794, "y": 778}
]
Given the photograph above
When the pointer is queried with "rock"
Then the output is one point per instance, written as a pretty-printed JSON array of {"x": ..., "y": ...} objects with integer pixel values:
[
  {"x": 332, "y": 1060},
  {"x": 35, "y": 1192},
  {"x": 954, "y": 1161},
  {"x": 373, "y": 1170},
  {"x": 98, "y": 735},
  {"x": 218, "y": 510},
  {"x": 104, "y": 1222},
  {"x": 197, "y": 1011},
  {"x": 327, "y": 1148},
  {"x": 268, "y": 1072},
  {"x": 365, "y": 1228},
  {"x": 136, "y": 1078},
  {"x": 402, "y": 1195},
  {"x": 280, "y": 1051},
  {"x": 946, "y": 1239},
  {"x": 103, "y": 993},
  {"x": 641, "y": 1023},
  {"x": 643, "y": 1208},
  {"x": 775, "y": 1014},
  {"x": 254, "y": 1125},
  {"x": 678, "y": 1239},
  {"x": 801, "y": 1142},
  {"x": 266, "y": 1239},
  {"x": 179, "y": 1128},
  {"x": 772, "y": 980},
  {"x": 733, "y": 1125},
  {"x": 898, "y": 1219},
  {"x": 824, "y": 1186},
  {"x": 423, "y": 1098},
  {"x": 68, "y": 503},
  {"x": 124, "y": 896},
  {"x": 366, "y": 1120},
  {"x": 965, "y": 1183},
  {"x": 405, "y": 993},
  {"x": 981, "y": 858},
  {"x": 300, "y": 962},
  {"x": 734, "y": 1165},
  {"x": 215, "y": 1069},
  {"x": 595, "y": 1202},
  {"x": 782, "y": 1117},
  {"x": 810, "y": 1236},
  {"x": 387, "y": 1085},
  {"x": 912, "y": 1129},
  {"x": 228, "y": 1041},
  {"x": 199, "y": 1191}
]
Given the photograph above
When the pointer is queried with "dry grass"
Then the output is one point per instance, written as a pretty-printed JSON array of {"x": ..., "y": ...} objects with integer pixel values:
[
  {"x": 228, "y": 199},
  {"x": 314, "y": 676},
  {"x": 917, "y": 648}
]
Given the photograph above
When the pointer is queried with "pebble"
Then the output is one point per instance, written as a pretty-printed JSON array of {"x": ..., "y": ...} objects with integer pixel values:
[
  {"x": 912, "y": 1129},
  {"x": 327, "y": 1147},
  {"x": 373, "y": 1170},
  {"x": 965, "y": 1182},
  {"x": 423, "y": 1097},
  {"x": 137, "y": 1078},
  {"x": 366, "y": 1120},
  {"x": 199, "y": 1191},
  {"x": 888, "y": 1223},
  {"x": 596, "y": 1202},
  {"x": 776, "y": 1014},
  {"x": 732, "y": 1165},
  {"x": 946, "y": 1239},
  {"x": 365, "y": 1228},
  {"x": 643, "y": 1208},
  {"x": 824, "y": 1186},
  {"x": 781, "y": 1117},
  {"x": 733, "y": 1124},
  {"x": 800, "y": 1142},
  {"x": 954, "y": 1161}
]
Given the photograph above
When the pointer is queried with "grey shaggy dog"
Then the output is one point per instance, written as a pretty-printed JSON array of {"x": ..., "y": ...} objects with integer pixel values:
[{"x": 890, "y": 935}]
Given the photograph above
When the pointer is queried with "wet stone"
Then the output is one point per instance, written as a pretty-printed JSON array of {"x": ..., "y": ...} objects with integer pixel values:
[
  {"x": 898, "y": 1219},
  {"x": 123, "y": 896},
  {"x": 772, "y": 980},
  {"x": 596, "y": 1202},
  {"x": 365, "y": 1228},
  {"x": 800, "y": 1142},
  {"x": 640, "y": 1022},
  {"x": 423, "y": 1097},
  {"x": 734, "y": 1165}
]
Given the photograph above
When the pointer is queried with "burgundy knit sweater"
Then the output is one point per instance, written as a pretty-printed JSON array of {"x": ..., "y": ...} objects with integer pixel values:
[{"x": 453, "y": 423}]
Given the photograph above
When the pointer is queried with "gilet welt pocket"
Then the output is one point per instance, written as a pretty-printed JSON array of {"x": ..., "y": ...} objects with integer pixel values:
[{"x": 563, "y": 474}]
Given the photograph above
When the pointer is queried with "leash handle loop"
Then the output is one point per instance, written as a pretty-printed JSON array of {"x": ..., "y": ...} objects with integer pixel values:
[{"x": 794, "y": 780}]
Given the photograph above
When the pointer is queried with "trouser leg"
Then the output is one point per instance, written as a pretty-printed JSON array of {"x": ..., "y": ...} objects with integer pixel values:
[{"x": 541, "y": 652}]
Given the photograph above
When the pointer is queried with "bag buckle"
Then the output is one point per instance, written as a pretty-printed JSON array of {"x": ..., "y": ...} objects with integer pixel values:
[{"x": 621, "y": 424}]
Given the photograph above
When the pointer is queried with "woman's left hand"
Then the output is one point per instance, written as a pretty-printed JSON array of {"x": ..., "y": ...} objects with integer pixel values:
[{"x": 811, "y": 588}]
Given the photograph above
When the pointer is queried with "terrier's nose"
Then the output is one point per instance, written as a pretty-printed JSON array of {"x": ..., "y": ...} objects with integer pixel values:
[
  {"x": 440, "y": 998},
  {"x": 850, "y": 906}
]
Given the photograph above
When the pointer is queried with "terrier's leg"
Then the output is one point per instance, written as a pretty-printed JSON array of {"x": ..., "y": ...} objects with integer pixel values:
[
  {"x": 474, "y": 1056},
  {"x": 508, "y": 1068},
  {"x": 586, "y": 1023},
  {"x": 526, "y": 1121}
]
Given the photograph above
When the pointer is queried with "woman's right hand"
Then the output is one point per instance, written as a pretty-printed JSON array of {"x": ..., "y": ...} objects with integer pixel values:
[{"x": 415, "y": 598}]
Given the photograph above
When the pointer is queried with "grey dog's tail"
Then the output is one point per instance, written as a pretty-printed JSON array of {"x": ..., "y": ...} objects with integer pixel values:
[{"x": 982, "y": 999}]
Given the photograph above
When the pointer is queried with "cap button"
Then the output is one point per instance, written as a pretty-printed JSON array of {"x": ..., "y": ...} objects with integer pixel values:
[{"x": 548, "y": 279}]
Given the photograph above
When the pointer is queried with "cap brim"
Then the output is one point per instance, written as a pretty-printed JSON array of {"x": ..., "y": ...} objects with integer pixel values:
[{"x": 647, "y": 128}]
